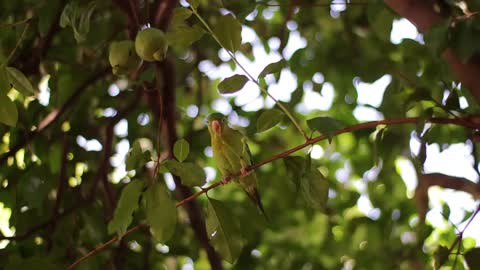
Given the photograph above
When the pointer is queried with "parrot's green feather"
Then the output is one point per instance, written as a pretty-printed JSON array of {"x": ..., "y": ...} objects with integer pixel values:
[{"x": 231, "y": 153}]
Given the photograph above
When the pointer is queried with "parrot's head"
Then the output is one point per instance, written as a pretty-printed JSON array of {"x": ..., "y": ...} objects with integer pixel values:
[{"x": 216, "y": 123}]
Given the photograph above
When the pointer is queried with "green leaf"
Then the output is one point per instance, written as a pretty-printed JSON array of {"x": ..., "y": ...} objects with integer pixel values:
[
  {"x": 295, "y": 166},
  {"x": 78, "y": 17},
  {"x": 452, "y": 102},
  {"x": 180, "y": 14},
  {"x": 440, "y": 257},
  {"x": 273, "y": 68},
  {"x": 422, "y": 121},
  {"x": 137, "y": 156},
  {"x": 269, "y": 119},
  {"x": 181, "y": 148},
  {"x": 5, "y": 85},
  {"x": 380, "y": 18},
  {"x": 183, "y": 36},
  {"x": 232, "y": 84},
  {"x": 229, "y": 32},
  {"x": 127, "y": 204},
  {"x": 161, "y": 212},
  {"x": 473, "y": 258},
  {"x": 424, "y": 231},
  {"x": 55, "y": 157},
  {"x": 8, "y": 111},
  {"x": 84, "y": 24},
  {"x": 445, "y": 211},
  {"x": 315, "y": 189},
  {"x": 20, "y": 82},
  {"x": 190, "y": 173},
  {"x": 67, "y": 13},
  {"x": 325, "y": 125},
  {"x": 436, "y": 37},
  {"x": 378, "y": 141},
  {"x": 465, "y": 40},
  {"x": 224, "y": 231}
]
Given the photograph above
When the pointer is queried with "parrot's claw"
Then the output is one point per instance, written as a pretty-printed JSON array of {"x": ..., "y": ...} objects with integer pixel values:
[
  {"x": 225, "y": 180},
  {"x": 244, "y": 172}
]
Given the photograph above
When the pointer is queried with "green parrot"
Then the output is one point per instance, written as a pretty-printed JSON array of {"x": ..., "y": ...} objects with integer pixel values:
[{"x": 231, "y": 153}]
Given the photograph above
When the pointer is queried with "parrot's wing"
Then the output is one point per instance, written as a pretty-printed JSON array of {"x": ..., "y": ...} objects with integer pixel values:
[
  {"x": 246, "y": 154},
  {"x": 223, "y": 163},
  {"x": 238, "y": 148}
]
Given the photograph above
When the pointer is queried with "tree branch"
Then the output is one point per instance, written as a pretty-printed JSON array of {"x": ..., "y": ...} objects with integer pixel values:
[
  {"x": 187, "y": 200},
  {"x": 102, "y": 173},
  {"x": 132, "y": 19},
  {"x": 54, "y": 115},
  {"x": 164, "y": 13},
  {"x": 44, "y": 44},
  {"x": 425, "y": 181},
  {"x": 45, "y": 224},
  {"x": 62, "y": 185},
  {"x": 166, "y": 73},
  {"x": 103, "y": 246},
  {"x": 423, "y": 16}
]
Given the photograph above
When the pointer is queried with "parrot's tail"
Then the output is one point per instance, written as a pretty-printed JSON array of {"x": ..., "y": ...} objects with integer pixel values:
[{"x": 253, "y": 194}]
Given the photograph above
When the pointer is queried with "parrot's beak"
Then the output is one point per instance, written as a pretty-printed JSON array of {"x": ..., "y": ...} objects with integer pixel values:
[{"x": 216, "y": 127}]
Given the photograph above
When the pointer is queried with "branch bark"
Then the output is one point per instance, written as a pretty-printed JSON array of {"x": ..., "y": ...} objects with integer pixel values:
[
  {"x": 102, "y": 172},
  {"x": 166, "y": 73},
  {"x": 164, "y": 13},
  {"x": 423, "y": 16},
  {"x": 62, "y": 185},
  {"x": 130, "y": 9},
  {"x": 41, "y": 49},
  {"x": 425, "y": 181}
]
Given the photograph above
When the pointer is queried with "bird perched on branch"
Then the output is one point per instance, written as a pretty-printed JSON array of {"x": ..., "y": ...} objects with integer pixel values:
[{"x": 232, "y": 155}]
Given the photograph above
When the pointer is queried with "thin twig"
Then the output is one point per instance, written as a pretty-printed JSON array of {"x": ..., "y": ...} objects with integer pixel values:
[
  {"x": 159, "y": 134},
  {"x": 46, "y": 224},
  {"x": 459, "y": 237},
  {"x": 101, "y": 175},
  {"x": 103, "y": 246},
  {"x": 18, "y": 42},
  {"x": 163, "y": 14},
  {"x": 251, "y": 78},
  {"x": 9, "y": 25},
  {"x": 456, "y": 255},
  {"x": 285, "y": 154},
  {"x": 134, "y": 10},
  {"x": 40, "y": 50},
  {"x": 62, "y": 185}
]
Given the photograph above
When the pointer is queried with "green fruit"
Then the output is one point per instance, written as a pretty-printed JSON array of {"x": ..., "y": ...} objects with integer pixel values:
[
  {"x": 151, "y": 44},
  {"x": 122, "y": 57}
]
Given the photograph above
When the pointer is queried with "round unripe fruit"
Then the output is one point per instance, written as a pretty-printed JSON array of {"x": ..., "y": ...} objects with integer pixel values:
[
  {"x": 151, "y": 44},
  {"x": 122, "y": 57}
]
